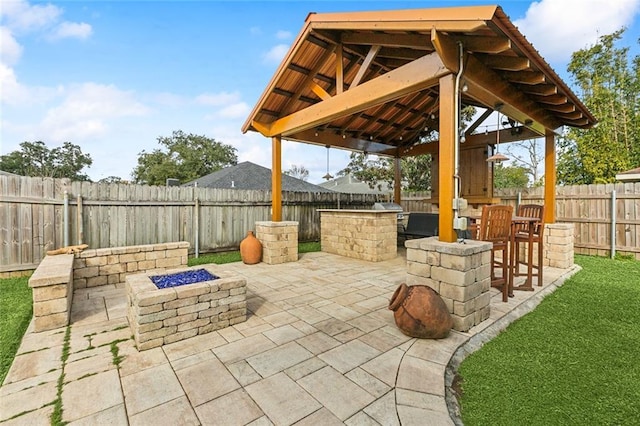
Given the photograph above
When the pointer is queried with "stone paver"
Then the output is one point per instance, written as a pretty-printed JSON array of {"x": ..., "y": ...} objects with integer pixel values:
[{"x": 319, "y": 347}]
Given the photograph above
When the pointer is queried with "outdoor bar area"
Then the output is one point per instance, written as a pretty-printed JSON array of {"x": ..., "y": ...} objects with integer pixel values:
[{"x": 395, "y": 84}]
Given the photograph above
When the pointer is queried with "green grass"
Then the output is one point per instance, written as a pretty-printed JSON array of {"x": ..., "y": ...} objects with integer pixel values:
[
  {"x": 234, "y": 256},
  {"x": 15, "y": 311},
  {"x": 574, "y": 360}
]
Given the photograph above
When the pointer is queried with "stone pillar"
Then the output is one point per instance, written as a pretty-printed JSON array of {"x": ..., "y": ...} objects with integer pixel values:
[
  {"x": 460, "y": 273},
  {"x": 52, "y": 284},
  {"x": 558, "y": 245},
  {"x": 279, "y": 241}
]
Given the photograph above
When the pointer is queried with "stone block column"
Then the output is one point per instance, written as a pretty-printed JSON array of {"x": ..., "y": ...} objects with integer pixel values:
[
  {"x": 52, "y": 284},
  {"x": 460, "y": 273},
  {"x": 558, "y": 244},
  {"x": 279, "y": 241}
]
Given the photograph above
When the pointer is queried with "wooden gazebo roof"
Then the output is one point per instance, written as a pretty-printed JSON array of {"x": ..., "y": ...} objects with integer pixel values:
[
  {"x": 368, "y": 81},
  {"x": 377, "y": 82}
]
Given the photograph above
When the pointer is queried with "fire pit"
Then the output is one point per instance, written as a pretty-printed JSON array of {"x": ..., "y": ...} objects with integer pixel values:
[{"x": 167, "y": 308}]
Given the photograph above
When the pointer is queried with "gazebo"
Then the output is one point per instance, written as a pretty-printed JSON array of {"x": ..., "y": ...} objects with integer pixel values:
[{"x": 379, "y": 81}]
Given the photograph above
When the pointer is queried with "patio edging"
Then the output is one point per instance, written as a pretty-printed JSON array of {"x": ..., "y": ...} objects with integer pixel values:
[{"x": 479, "y": 339}]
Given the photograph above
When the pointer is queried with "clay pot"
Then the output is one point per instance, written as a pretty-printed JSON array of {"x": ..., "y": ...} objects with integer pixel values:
[
  {"x": 251, "y": 249},
  {"x": 419, "y": 311}
]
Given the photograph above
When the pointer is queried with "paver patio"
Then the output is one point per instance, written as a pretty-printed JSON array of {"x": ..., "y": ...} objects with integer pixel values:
[{"x": 319, "y": 347}]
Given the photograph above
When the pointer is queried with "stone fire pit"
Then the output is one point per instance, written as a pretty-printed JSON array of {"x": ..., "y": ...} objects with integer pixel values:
[{"x": 159, "y": 316}]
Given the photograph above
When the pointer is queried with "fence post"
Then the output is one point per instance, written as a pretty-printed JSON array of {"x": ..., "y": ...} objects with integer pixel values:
[
  {"x": 197, "y": 226},
  {"x": 80, "y": 225},
  {"x": 613, "y": 223},
  {"x": 65, "y": 220}
]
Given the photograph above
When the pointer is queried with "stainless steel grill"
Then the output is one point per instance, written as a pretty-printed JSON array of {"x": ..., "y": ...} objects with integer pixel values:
[{"x": 390, "y": 206}]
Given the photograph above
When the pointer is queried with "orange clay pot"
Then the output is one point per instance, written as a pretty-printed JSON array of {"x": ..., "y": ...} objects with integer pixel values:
[
  {"x": 251, "y": 249},
  {"x": 419, "y": 311}
]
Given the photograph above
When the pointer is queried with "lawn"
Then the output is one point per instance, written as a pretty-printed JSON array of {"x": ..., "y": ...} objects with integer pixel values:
[
  {"x": 15, "y": 314},
  {"x": 574, "y": 360},
  {"x": 234, "y": 256}
]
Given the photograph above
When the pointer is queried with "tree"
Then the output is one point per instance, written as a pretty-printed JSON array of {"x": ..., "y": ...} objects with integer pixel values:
[
  {"x": 298, "y": 172},
  {"x": 374, "y": 170},
  {"x": 186, "y": 157},
  {"x": 35, "y": 159},
  {"x": 112, "y": 179},
  {"x": 528, "y": 155},
  {"x": 510, "y": 176},
  {"x": 610, "y": 88}
]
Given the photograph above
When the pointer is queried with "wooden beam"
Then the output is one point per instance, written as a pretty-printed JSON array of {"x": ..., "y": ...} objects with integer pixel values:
[
  {"x": 276, "y": 179},
  {"x": 447, "y": 50},
  {"x": 550, "y": 99},
  {"x": 505, "y": 63},
  {"x": 332, "y": 139},
  {"x": 260, "y": 127},
  {"x": 549, "y": 178},
  {"x": 538, "y": 89},
  {"x": 478, "y": 122},
  {"x": 414, "y": 41},
  {"x": 309, "y": 79},
  {"x": 485, "y": 44},
  {"x": 366, "y": 63},
  {"x": 565, "y": 108},
  {"x": 339, "y": 70},
  {"x": 446, "y": 166},
  {"x": 445, "y": 26},
  {"x": 487, "y": 87},
  {"x": 417, "y": 75},
  {"x": 524, "y": 77},
  {"x": 318, "y": 90},
  {"x": 474, "y": 141}
]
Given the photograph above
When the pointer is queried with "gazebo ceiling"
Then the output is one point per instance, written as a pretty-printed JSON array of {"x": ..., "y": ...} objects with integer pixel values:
[{"x": 368, "y": 81}]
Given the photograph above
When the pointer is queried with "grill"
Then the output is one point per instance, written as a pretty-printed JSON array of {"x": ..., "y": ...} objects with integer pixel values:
[{"x": 390, "y": 206}]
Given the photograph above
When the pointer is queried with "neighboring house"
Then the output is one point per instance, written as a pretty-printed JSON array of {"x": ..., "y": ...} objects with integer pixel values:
[
  {"x": 3, "y": 173},
  {"x": 351, "y": 185},
  {"x": 632, "y": 175},
  {"x": 248, "y": 175}
]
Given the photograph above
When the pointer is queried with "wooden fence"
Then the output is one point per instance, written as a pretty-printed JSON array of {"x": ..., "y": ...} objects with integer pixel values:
[
  {"x": 606, "y": 217},
  {"x": 34, "y": 211},
  {"x": 32, "y": 215}
]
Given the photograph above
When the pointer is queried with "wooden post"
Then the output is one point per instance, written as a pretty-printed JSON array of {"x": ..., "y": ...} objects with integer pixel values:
[
  {"x": 549, "y": 178},
  {"x": 79, "y": 224},
  {"x": 276, "y": 178},
  {"x": 446, "y": 166},
  {"x": 397, "y": 187}
]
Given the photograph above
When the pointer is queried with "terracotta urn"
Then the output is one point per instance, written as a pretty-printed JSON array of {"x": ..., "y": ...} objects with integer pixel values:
[
  {"x": 251, "y": 249},
  {"x": 419, "y": 311}
]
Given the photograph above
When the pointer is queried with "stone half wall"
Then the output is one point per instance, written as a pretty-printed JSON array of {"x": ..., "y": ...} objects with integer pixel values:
[
  {"x": 104, "y": 266},
  {"x": 361, "y": 234},
  {"x": 56, "y": 277}
]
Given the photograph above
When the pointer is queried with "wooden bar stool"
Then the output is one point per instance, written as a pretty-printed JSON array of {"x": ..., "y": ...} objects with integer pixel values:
[
  {"x": 523, "y": 236},
  {"x": 495, "y": 227}
]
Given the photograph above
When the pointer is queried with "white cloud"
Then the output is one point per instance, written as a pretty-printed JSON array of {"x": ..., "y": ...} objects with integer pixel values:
[
  {"x": 71, "y": 30},
  {"x": 237, "y": 110},
  {"x": 276, "y": 53},
  {"x": 21, "y": 16},
  {"x": 10, "y": 49},
  {"x": 283, "y": 35},
  {"x": 87, "y": 110},
  {"x": 557, "y": 28}
]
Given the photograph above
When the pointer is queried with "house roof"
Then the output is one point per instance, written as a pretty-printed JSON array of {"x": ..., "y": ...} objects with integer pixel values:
[
  {"x": 350, "y": 185},
  {"x": 368, "y": 81},
  {"x": 248, "y": 175},
  {"x": 632, "y": 175}
]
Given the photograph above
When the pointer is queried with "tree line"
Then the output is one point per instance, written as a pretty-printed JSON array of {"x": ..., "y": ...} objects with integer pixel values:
[{"x": 605, "y": 77}]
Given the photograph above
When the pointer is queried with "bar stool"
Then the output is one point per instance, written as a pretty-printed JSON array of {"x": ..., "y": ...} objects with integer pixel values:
[
  {"x": 523, "y": 236},
  {"x": 495, "y": 227}
]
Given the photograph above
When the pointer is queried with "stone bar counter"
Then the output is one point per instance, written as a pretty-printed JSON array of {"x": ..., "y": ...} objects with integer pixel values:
[{"x": 370, "y": 235}]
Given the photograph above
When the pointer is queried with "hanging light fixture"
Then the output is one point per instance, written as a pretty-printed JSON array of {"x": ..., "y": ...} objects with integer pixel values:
[
  {"x": 328, "y": 175},
  {"x": 497, "y": 157}
]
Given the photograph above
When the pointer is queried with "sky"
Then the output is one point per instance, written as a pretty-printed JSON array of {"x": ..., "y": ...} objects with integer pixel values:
[{"x": 114, "y": 76}]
